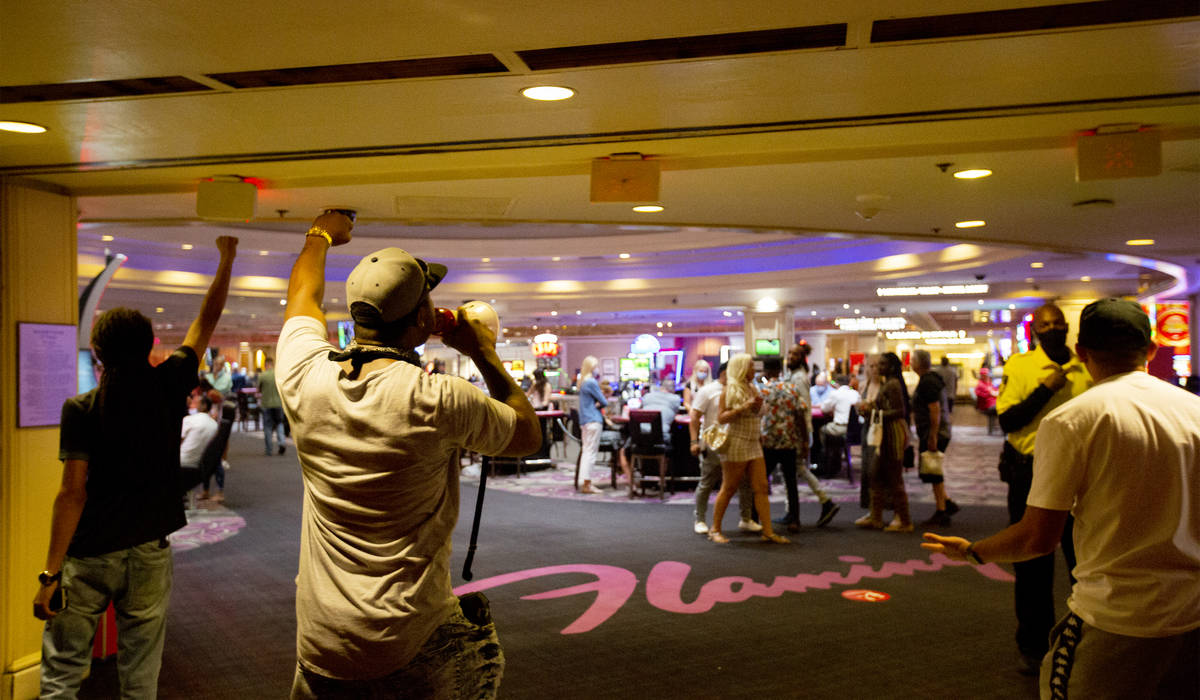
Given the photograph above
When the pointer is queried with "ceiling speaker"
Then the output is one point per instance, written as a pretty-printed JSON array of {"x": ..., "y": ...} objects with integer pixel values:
[{"x": 226, "y": 199}]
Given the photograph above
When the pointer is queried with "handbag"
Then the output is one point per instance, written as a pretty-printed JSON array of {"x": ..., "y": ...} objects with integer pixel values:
[
  {"x": 931, "y": 463},
  {"x": 875, "y": 430},
  {"x": 716, "y": 436}
]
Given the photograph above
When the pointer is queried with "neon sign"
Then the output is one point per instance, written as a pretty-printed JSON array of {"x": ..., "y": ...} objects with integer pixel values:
[{"x": 545, "y": 345}]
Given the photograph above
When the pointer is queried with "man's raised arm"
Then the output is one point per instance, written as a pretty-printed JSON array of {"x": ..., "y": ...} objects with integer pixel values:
[
  {"x": 306, "y": 288},
  {"x": 202, "y": 328}
]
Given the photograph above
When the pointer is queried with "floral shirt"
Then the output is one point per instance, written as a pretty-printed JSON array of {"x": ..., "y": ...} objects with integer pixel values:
[{"x": 783, "y": 407}]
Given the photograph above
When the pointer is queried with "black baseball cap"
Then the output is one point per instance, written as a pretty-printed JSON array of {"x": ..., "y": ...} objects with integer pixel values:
[{"x": 1114, "y": 324}]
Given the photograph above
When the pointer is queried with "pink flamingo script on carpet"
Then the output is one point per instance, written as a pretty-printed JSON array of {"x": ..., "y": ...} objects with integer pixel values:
[{"x": 614, "y": 585}]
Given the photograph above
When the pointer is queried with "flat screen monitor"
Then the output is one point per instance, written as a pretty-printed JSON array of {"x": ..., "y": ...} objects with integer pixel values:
[
  {"x": 86, "y": 371},
  {"x": 766, "y": 347},
  {"x": 635, "y": 368}
]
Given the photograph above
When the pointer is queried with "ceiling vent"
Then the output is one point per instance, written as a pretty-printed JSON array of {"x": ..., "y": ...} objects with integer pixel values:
[
  {"x": 99, "y": 89},
  {"x": 361, "y": 72},
  {"x": 462, "y": 208},
  {"x": 1029, "y": 19},
  {"x": 681, "y": 48}
]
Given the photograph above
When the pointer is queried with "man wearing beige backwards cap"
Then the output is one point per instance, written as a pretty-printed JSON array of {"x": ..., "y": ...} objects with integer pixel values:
[
  {"x": 378, "y": 441},
  {"x": 1124, "y": 458}
]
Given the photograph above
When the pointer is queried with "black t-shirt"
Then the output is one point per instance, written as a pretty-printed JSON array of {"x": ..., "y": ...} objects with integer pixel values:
[
  {"x": 930, "y": 389},
  {"x": 133, "y": 480}
]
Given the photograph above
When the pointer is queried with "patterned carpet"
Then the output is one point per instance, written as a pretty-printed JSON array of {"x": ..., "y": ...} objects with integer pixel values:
[{"x": 971, "y": 477}]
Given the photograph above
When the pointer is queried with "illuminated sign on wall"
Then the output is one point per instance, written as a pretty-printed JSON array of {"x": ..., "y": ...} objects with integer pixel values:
[
  {"x": 1171, "y": 325},
  {"x": 932, "y": 290},
  {"x": 933, "y": 337},
  {"x": 645, "y": 344},
  {"x": 860, "y": 323},
  {"x": 545, "y": 345}
]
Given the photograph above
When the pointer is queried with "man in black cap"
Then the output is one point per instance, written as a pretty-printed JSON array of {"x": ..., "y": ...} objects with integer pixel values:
[
  {"x": 1035, "y": 383},
  {"x": 1124, "y": 458},
  {"x": 378, "y": 442}
]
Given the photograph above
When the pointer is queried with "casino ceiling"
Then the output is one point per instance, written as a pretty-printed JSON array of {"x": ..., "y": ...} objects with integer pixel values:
[{"x": 806, "y": 150}]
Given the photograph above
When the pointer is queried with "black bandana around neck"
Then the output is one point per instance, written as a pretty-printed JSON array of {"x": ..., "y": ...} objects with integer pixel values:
[{"x": 362, "y": 354}]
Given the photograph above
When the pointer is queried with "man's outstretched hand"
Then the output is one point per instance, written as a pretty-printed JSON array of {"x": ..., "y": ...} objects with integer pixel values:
[{"x": 953, "y": 547}]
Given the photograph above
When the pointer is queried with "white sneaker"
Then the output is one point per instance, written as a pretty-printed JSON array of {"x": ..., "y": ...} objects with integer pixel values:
[
  {"x": 749, "y": 526},
  {"x": 701, "y": 527}
]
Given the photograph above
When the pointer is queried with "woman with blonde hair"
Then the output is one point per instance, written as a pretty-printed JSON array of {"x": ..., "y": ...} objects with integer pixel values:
[
  {"x": 739, "y": 407},
  {"x": 591, "y": 419},
  {"x": 701, "y": 375}
]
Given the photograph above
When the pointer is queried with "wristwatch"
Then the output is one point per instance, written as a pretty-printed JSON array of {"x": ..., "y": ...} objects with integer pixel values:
[
  {"x": 972, "y": 555},
  {"x": 46, "y": 578}
]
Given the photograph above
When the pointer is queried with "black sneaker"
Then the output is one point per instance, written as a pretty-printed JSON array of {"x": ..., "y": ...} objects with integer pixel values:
[
  {"x": 828, "y": 510},
  {"x": 939, "y": 518},
  {"x": 282, "y": 448},
  {"x": 951, "y": 507}
]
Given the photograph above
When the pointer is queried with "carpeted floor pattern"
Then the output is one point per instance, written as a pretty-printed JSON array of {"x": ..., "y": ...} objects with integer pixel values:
[{"x": 603, "y": 597}]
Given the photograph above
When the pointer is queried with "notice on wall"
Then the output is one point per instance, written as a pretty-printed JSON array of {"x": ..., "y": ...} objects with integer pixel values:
[{"x": 46, "y": 372}]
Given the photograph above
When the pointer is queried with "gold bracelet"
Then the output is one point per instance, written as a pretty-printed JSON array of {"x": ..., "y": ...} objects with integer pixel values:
[{"x": 318, "y": 231}]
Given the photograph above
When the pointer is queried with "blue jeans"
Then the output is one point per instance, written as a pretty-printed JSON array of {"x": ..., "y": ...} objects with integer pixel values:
[
  {"x": 138, "y": 583},
  {"x": 272, "y": 424},
  {"x": 461, "y": 659}
]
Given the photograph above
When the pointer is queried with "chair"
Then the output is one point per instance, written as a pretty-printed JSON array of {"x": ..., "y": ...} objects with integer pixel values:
[
  {"x": 645, "y": 430},
  {"x": 832, "y": 465},
  {"x": 249, "y": 411},
  {"x": 574, "y": 431}
]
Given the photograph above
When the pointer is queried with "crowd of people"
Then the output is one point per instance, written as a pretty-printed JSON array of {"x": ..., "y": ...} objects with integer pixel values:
[{"x": 378, "y": 436}]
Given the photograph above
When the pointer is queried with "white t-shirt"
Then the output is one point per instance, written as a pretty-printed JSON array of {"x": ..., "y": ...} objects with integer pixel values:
[
  {"x": 1124, "y": 457},
  {"x": 378, "y": 457},
  {"x": 708, "y": 402},
  {"x": 840, "y": 402},
  {"x": 198, "y": 430}
]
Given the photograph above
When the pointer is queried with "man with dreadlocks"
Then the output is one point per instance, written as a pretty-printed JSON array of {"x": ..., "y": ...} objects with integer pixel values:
[{"x": 120, "y": 498}]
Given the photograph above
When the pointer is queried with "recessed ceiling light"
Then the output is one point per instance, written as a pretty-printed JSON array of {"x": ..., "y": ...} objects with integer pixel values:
[
  {"x": 974, "y": 223},
  {"x": 844, "y": 306},
  {"x": 670, "y": 324},
  {"x": 158, "y": 309},
  {"x": 187, "y": 246},
  {"x": 534, "y": 326},
  {"x": 954, "y": 308},
  {"x": 814, "y": 314},
  {"x": 767, "y": 305},
  {"x": 556, "y": 258},
  {"x": 623, "y": 256},
  {"x": 264, "y": 252},
  {"x": 106, "y": 238},
  {"x": 857, "y": 311},
  {"x": 981, "y": 302},
  {"x": 485, "y": 260},
  {"x": 1037, "y": 265},
  {"x": 659, "y": 324},
  {"x": 1028, "y": 280},
  {"x": 647, "y": 208},
  {"x": 903, "y": 310},
  {"x": 283, "y": 302},
  {"x": 22, "y": 127},
  {"x": 1140, "y": 241},
  {"x": 548, "y": 93},
  {"x": 659, "y": 334},
  {"x": 553, "y": 313},
  {"x": 730, "y": 313},
  {"x": 1012, "y": 307},
  {"x": 578, "y": 312},
  {"x": 1085, "y": 278},
  {"x": 973, "y": 174}
]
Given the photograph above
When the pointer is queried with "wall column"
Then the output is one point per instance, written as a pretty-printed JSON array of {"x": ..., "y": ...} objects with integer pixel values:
[{"x": 37, "y": 284}]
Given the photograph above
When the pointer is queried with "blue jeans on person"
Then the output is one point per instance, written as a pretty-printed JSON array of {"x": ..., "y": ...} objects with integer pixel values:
[
  {"x": 461, "y": 659},
  {"x": 272, "y": 424},
  {"x": 137, "y": 581}
]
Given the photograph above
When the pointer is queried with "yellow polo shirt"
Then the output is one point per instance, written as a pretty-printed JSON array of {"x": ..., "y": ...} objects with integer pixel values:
[{"x": 1022, "y": 375}]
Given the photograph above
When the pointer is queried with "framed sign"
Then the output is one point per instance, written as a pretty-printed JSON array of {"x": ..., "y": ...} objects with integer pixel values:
[{"x": 46, "y": 371}]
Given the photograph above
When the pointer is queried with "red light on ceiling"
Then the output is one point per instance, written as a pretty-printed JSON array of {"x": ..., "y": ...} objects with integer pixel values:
[{"x": 865, "y": 596}]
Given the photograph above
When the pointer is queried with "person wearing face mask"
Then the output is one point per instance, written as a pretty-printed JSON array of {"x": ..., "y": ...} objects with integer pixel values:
[
  {"x": 701, "y": 375},
  {"x": 1035, "y": 383},
  {"x": 591, "y": 419}
]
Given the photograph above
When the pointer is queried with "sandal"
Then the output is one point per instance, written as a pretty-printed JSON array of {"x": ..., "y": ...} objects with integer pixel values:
[
  {"x": 869, "y": 522},
  {"x": 776, "y": 539},
  {"x": 897, "y": 526},
  {"x": 717, "y": 538}
]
